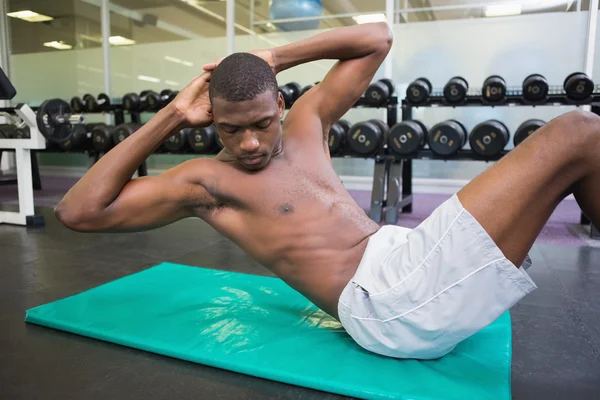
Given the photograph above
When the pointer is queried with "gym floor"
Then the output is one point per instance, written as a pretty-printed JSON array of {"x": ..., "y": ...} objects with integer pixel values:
[{"x": 556, "y": 329}]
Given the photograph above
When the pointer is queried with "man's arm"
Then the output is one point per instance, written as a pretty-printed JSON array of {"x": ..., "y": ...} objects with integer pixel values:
[
  {"x": 106, "y": 199},
  {"x": 361, "y": 49}
]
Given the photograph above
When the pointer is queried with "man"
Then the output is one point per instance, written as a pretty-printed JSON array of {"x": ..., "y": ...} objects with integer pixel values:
[{"x": 272, "y": 191}]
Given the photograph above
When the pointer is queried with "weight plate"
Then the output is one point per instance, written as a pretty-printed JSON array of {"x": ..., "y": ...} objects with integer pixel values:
[
  {"x": 578, "y": 86},
  {"x": 176, "y": 142},
  {"x": 406, "y": 137},
  {"x": 366, "y": 137},
  {"x": 455, "y": 91},
  {"x": 418, "y": 91},
  {"x": 494, "y": 89},
  {"x": 48, "y": 116},
  {"x": 447, "y": 138},
  {"x": 526, "y": 129},
  {"x": 535, "y": 87},
  {"x": 489, "y": 138},
  {"x": 201, "y": 140}
]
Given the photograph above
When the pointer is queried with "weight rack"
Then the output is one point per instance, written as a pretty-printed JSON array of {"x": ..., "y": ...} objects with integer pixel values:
[{"x": 514, "y": 99}]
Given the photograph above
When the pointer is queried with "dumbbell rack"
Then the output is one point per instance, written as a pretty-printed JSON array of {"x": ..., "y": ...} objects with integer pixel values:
[{"x": 479, "y": 101}]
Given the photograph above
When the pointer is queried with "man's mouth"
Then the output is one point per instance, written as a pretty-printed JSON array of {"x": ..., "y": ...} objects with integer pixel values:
[{"x": 252, "y": 160}]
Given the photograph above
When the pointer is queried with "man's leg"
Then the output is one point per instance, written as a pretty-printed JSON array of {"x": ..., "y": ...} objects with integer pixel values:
[{"x": 514, "y": 198}]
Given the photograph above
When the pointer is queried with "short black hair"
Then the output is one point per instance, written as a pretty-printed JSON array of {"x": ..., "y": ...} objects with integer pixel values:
[{"x": 241, "y": 77}]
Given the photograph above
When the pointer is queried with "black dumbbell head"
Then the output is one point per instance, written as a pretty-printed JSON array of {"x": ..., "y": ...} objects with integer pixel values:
[
  {"x": 578, "y": 86},
  {"x": 77, "y": 141},
  {"x": 379, "y": 92},
  {"x": 535, "y": 88},
  {"x": 345, "y": 125},
  {"x": 288, "y": 95},
  {"x": 489, "y": 138},
  {"x": 102, "y": 138},
  {"x": 447, "y": 138},
  {"x": 91, "y": 105},
  {"x": 77, "y": 105},
  {"x": 152, "y": 101},
  {"x": 296, "y": 89},
  {"x": 337, "y": 138},
  {"x": 526, "y": 129},
  {"x": 201, "y": 140},
  {"x": 131, "y": 102},
  {"x": 455, "y": 91},
  {"x": 103, "y": 102},
  {"x": 494, "y": 89},
  {"x": 407, "y": 137},
  {"x": 419, "y": 91},
  {"x": 176, "y": 142},
  {"x": 123, "y": 131},
  {"x": 365, "y": 138},
  {"x": 306, "y": 89}
]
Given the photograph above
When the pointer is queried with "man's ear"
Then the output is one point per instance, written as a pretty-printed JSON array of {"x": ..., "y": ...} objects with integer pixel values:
[{"x": 280, "y": 104}]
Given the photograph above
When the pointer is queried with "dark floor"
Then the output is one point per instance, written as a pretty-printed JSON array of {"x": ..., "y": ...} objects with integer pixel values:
[{"x": 556, "y": 348}]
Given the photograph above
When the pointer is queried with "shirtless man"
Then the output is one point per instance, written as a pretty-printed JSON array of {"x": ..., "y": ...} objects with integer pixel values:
[{"x": 272, "y": 190}]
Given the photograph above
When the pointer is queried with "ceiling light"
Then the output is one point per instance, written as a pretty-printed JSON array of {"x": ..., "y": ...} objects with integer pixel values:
[
  {"x": 148, "y": 78},
  {"x": 502, "y": 10},
  {"x": 270, "y": 26},
  {"x": 30, "y": 16},
  {"x": 58, "y": 45},
  {"x": 173, "y": 59},
  {"x": 366, "y": 18},
  {"x": 172, "y": 83},
  {"x": 120, "y": 41},
  {"x": 187, "y": 63}
]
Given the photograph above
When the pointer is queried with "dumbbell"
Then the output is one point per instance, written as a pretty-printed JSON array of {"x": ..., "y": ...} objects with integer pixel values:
[
  {"x": 535, "y": 88},
  {"x": 132, "y": 102},
  {"x": 418, "y": 91},
  {"x": 407, "y": 137},
  {"x": 157, "y": 101},
  {"x": 201, "y": 140},
  {"x": 493, "y": 90},
  {"x": 22, "y": 133},
  {"x": 123, "y": 131},
  {"x": 77, "y": 105},
  {"x": 176, "y": 143},
  {"x": 489, "y": 138},
  {"x": 7, "y": 131},
  {"x": 447, "y": 138},
  {"x": 290, "y": 93},
  {"x": 578, "y": 86},
  {"x": 379, "y": 92},
  {"x": 337, "y": 137},
  {"x": 526, "y": 129},
  {"x": 81, "y": 139},
  {"x": 102, "y": 138},
  {"x": 455, "y": 91},
  {"x": 306, "y": 89},
  {"x": 365, "y": 138},
  {"x": 93, "y": 105}
]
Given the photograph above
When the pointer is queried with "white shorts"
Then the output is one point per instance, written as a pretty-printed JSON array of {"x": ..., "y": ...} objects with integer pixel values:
[{"x": 418, "y": 293}]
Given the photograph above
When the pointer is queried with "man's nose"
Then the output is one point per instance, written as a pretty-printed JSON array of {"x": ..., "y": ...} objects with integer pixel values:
[{"x": 249, "y": 141}]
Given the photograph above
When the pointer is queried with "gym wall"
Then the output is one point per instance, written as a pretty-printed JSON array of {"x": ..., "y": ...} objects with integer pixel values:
[{"x": 552, "y": 44}]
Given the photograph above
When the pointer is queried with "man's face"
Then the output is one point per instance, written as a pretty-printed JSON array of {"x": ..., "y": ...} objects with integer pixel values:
[{"x": 250, "y": 129}]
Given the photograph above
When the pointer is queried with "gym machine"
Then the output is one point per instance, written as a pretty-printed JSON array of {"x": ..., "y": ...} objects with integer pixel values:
[{"x": 22, "y": 148}]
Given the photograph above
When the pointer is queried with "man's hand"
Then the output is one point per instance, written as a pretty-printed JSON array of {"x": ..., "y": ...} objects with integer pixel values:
[
  {"x": 193, "y": 102},
  {"x": 266, "y": 55}
]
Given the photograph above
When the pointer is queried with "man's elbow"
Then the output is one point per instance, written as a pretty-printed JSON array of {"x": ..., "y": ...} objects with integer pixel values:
[{"x": 75, "y": 220}]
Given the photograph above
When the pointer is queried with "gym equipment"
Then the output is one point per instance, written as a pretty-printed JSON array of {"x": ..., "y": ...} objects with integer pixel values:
[
  {"x": 102, "y": 137},
  {"x": 535, "y": 88},
  {"x": 93, "y": 105},
  {"x": 455, "y": 91},
  {"x": 77, "y": 105},
  {"x": 55, "y": 120},
  {"x": 176, "y": 143},
  {"x": 489, "y": 138},
  {"x": 157, "y": 101},
  {"x": 365, "y": 138},
  {"x": 526, "y": 129},
  {"x": 493, "y": 90},
  {"x": 337, "y": 137},
  {"x": 80, "y": 140},
  {"x": 283, "y": 9},
  {"x": 259, "y": 326},
  {"x": 132, "y": 102},
  {"x": 578, "y": 86},
  {"x": 379, "y": 92},
  {"x": 407, "y": 137},
  {"x": 290, "y": 93},
  {"x": 447, "y": 138},
  {"x": 418, "y": 92},
  {"x": 7, "y": 131},
  {"x": 201, "y": 140},
  {"x": 22, "y": 133},
  {"x": 123, "y": 131},
  {"x": 306, "y": 89}
]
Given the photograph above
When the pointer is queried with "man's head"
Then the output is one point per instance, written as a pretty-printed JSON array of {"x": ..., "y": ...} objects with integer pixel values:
[{"x": 247, "y": 108}]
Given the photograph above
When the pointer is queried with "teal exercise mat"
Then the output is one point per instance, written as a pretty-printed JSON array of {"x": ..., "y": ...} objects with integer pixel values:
[{"x": 259, "y": 326}]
